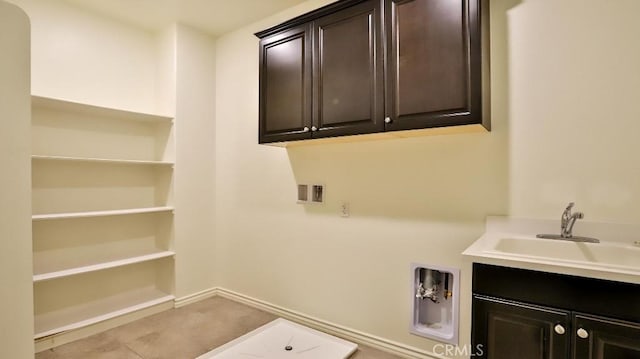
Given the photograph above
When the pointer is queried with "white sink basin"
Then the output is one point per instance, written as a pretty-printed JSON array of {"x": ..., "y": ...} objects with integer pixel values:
[
  {"x": 512, "y": 242},
  {"x": 604, "y": 253}
]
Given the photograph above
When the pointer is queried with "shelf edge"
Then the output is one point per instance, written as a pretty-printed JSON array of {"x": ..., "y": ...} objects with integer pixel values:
[
  {"x": 104, "y": 317},
  {"x": 103, "y": 111},
  {"x": 100, "y": 160},
  {"x": 88, "y": 214},
  {"x": 101, "y": 266}
]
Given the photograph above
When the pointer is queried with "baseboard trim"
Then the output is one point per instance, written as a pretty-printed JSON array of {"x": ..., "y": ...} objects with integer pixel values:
[
  {"x": 353, "y": 335},
  {"x": 195, "y": 297},
  {"x": 373, "y": 341}
]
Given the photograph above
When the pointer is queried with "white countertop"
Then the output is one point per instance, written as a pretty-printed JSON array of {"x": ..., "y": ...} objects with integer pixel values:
[{"x": 512, "y": 242}]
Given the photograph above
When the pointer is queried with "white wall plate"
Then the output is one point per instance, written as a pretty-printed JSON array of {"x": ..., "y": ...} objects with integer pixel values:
[{"x": 282, "y": 339}]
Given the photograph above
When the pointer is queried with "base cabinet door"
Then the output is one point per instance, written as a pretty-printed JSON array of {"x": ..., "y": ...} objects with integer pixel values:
[
  {"x": 510, "y": 330},
  {"x": 603, "y": 338}
]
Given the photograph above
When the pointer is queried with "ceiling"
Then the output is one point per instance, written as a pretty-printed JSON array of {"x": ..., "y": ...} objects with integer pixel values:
[{"x": 212, "y": 16}]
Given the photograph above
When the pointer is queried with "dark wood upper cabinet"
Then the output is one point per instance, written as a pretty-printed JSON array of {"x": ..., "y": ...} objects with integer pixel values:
[
  {"x": 434, "y": 70},
  {"x": 285, "y": 85},
  {"x": 368, "y": 66},
  {"x": 348, "y": 72}
]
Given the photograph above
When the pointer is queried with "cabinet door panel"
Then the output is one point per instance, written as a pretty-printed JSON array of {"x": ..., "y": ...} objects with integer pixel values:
[
  {"x": 285, "y": 86},
  {"x": 508, "y": 330},
  {"x": 607, "y": 339},
  {"x": 348, "y": 72},
  {"x": 434, "y": 70}
]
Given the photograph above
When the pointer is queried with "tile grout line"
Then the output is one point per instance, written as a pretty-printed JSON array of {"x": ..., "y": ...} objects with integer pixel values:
[{"x": 131, "y": 349}]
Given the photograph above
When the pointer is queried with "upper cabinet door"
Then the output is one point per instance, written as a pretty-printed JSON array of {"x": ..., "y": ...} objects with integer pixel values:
[
  {"x": 285, "y": 85},
  {"x": 348, "y": 72},
  {"x": 434, "y": 68}
]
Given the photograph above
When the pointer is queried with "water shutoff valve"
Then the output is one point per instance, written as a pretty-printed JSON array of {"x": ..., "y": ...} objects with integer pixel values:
[{"x": 429, "y": 291}]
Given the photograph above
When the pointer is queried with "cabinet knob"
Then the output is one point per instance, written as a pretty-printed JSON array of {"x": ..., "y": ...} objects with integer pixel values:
[
  {"x": 314, "y": 128},
  {"x": 559, "y": 329},
  {"x": 582, "y": 333},
  {"x": 305, "y": 129},
  {"x": 387, "y": 120}
]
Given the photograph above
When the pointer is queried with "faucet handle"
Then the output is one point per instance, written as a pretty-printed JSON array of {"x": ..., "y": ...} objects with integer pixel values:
[
  {"x": 566, "y": 214},
  {"x": 566, "y": 217}
]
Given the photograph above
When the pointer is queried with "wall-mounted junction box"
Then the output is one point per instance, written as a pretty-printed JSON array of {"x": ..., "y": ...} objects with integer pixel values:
[
  {"x": 436, "y": 302},
  {"x": 314, "y": 193},
  {"x": 303, "y": 193}
]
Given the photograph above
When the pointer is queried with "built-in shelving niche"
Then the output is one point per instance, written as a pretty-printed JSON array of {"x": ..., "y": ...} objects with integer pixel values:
[
  {"x": 102, "y": 182},
  {"x": 69, "y": 247},
  {"x": 66, "y": 129},
  {"x": 77, "y": 301},
  {"x": 75, "y": 186}
]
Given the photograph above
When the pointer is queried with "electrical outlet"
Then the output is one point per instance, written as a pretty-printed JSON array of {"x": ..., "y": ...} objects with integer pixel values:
[
  {"x": 317, "y": 193},
  {"x": 344, "y": 209},
  {"x": 303, "y": 193}
]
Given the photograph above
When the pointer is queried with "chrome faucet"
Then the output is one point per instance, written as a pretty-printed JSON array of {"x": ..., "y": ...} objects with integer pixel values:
[
  {"x": 566, "y": 227},
  {"x": 568, "y": 220}
]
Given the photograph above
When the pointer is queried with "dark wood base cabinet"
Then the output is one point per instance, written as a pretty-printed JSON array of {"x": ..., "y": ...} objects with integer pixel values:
[
  {"x": 510, "y": 322},
  {"x": 605, "y": 338},
  {"x": 509, "y": 330},
  {"x": 370, "y": 66}
]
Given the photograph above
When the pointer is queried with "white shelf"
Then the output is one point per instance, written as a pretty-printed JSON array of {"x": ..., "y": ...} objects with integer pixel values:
[
  {"x": 100, "y": 160},
  {"x": 118, "y": 212},
  {"x": 97, "y": 111},
  {"x": 89, "y": 157},
  {"x": 98, "y": 311},
  {"x": 101, "y": 266}
]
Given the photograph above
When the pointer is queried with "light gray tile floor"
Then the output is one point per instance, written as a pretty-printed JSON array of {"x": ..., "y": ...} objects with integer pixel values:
[{"x": 182, "y": 333}]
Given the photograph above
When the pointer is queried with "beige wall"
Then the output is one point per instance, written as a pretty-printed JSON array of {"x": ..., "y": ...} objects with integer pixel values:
[
  {"x": 194, "y": 169},
  {"x": 574, "y": 84},
  {"x": 564, "y": 80},
  {"x": 16, "y": 291},
  {"x": 79, "y": 56}
]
